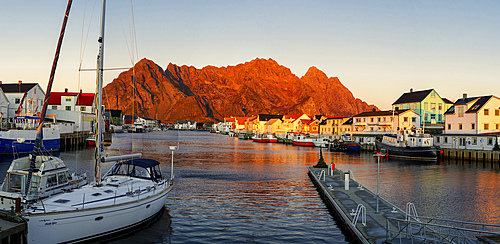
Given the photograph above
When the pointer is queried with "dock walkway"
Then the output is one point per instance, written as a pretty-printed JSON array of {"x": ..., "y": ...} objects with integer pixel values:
[{"x": 345, "y": 202}]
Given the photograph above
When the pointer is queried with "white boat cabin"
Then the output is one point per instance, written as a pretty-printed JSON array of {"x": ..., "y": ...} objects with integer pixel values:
[{"x": 50, "y": 176}]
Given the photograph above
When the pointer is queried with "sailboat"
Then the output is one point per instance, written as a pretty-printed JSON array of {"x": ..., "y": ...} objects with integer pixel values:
[{"x": 130, "y": 193}]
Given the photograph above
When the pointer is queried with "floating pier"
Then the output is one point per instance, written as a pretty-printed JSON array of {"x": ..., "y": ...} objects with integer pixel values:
[{"x": 367, "y": 219}]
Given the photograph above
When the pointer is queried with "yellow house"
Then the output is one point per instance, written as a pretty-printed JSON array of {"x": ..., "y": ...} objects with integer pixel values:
[
  {"x": 275, "y": 126},
  {"x": 291, "y": 122},
  {"x": 332, "y": 125}
]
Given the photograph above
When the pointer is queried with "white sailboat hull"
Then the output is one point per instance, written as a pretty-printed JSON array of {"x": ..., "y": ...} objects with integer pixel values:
[{"x": 87, "y": 224}]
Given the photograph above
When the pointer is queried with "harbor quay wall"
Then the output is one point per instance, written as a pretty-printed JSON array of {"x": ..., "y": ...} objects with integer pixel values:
[
  {"x": 74, "y": 141},
  {"x": 471, "y": 155}
]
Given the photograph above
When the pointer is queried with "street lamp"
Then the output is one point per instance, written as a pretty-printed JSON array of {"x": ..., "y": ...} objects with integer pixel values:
[
  {"x": 378, "y": 177},
  {"x": 172, "y": 148}
]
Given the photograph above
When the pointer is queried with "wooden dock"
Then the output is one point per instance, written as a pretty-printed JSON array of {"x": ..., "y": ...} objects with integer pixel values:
[{"x": 13, "y": 229}]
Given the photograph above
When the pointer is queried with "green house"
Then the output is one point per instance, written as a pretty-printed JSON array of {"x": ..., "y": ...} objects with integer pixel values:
[{"x": 428, "y": 104}]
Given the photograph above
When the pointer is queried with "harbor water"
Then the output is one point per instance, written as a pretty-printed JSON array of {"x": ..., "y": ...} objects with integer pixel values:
[{"x": 231, "y": 190}]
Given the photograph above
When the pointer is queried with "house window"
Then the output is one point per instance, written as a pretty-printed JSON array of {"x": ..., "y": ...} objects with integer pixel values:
[
  {"x": 83, "y": 108},
  {"x": 449, "y": 126},
  {"x": 445, "y": 139},
  {"x": 440, "y": 106},
  {"x": 437, "y": 139},
  {"x": 461, "y": 111},
  {"x": 18, "y": 100},
  {"x": 497, "y": 126},
  {"x": 433, "y": 116},
  {"x": 440, "y": 117},
  {"x": 379, "y": 119},
  {"x": 433, "y": 106},
  {"x": 68, "y": 99},
  {"x": 486, "y": 111},
  {"x": 433, "y": 94},
  {"x": 486, "y": 126},
  {"x": 54, "y": 107},
  {"x": 413, "y": 119},
  {"x": 462, "y": 141},
  {"x": 474, "y": 141},
  {"x": 472, "y": 126},
  {"x": 405, "y": 119},
  {"x": 490, "y": 141},
  {"x": 459, "y": 126},
  {"x": 497, "y": 112},
  {"x": 371, "y": 119},
  {"x": 426, "y": 106},
  {"x": 68, "y": 108}
]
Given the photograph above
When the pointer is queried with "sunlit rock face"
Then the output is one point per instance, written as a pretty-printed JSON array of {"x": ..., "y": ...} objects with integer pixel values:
[{"x": 260, "y": 86}]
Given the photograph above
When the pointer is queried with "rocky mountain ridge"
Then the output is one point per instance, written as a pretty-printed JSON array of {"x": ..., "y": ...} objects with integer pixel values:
[{"x": 260, "y": 86}]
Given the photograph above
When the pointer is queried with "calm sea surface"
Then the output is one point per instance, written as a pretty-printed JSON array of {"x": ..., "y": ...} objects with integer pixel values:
[{"x": 233, "y": 191}]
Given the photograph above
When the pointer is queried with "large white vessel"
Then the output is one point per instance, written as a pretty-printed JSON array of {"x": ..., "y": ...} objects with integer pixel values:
[{"x": 131, "y": 192}]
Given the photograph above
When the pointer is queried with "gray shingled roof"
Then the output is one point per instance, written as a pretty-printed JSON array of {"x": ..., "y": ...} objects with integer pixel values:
[
  {"x": 412, "y": 97},
  {"x": 16, "y": 88},
  {"x": 479, "y": 102}
]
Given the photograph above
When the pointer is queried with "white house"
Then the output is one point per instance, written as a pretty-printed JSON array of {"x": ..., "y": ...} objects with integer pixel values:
[
  {"x": 368, "y": 125},
  {"x": 185, "y": 125},
  {"x": 471, "y": 123},
  {"x": 4, "y": 106},
  {"x": 23, "y": 99},
  {"x": 475, "y": 115},
  {"x": 76, "y": 107}
]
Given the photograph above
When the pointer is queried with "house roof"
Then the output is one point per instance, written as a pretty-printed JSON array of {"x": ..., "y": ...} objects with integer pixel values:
[
  {"x": 382, "y": 113},
  {"x": 115, "y": 113},
  {"x": 83, "y": 99},
  {"x": 411, "y": 97},
  {"x": 479, "y": 102},
  {"x": 348, "y": 122},
  {"x": 267, "y": 117},
  {"x": 130, "y": 117},
  {"x": 231, "y": 119},
  {"x": 292, "y": 116},
  {"x": 16, "y": 88},
  {"x": 446, "y": 100}
]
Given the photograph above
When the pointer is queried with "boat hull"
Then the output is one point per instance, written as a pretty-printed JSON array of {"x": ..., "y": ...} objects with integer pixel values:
[
  {"x": 408, "y": 152},
  {"x": 9, "y": 141},
  {"x": 303, "y": 143},
  {"x": 89, "y": 224}
]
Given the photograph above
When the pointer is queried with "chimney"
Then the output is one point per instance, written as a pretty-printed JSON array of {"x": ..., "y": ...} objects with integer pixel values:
[
  {"x": 65, "y": 89},
  {"x": 20, "y": 82},
  {"x": 80, "y": 90},
  {"x": 411, "y": 90},
  {"x": 465, "y": 96}
]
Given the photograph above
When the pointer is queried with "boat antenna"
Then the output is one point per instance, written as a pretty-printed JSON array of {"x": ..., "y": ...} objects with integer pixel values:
[
  {"x": 100, "y": 57},
  {"x": 39, "y": 135}
]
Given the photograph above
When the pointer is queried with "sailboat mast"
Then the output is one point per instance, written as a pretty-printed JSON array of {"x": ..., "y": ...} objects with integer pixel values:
[
  {"x": 99, "y": 112},
  {"x": 39, "y": 135}
]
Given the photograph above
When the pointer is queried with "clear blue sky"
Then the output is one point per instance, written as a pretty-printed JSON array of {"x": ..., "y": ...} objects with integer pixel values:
[{"x": 378, "y": 49}]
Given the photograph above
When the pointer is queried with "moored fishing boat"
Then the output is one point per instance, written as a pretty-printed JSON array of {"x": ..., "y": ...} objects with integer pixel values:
[
  {"x": 321, "y": 142},
  {"x": 260, "y": 138},
  {"x": 21, "y": 140},
  {"x": 303, "y": 141},
  {"x": 406, "y": 145}
]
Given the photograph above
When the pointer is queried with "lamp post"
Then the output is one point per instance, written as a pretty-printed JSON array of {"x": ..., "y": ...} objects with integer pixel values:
[
  {"x": 172, "y": 148},
  {"x": 378, "y": 179}
]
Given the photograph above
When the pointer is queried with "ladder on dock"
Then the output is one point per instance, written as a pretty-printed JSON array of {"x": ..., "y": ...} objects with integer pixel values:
[{"x": 436, "y": 230}]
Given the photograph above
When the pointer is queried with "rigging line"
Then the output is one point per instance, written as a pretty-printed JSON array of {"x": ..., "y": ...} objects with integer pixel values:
[
  {"x": 123, "y": 30},
  {"x": 86, "y": 37},
  {"x": 92, "y": 69},
  {"x": 134, "y": 38}
]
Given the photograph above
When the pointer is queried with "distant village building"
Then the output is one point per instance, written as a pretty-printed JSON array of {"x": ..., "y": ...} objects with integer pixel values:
[
  {"x": 115, "y": 116},
  {"x": 428, "y": 104},
  {"x": 20, "y": 99},
  {"x": 185, "y": 125},
  {"x": 472, "y": 123},
  {"x": 76, "y": 107}
]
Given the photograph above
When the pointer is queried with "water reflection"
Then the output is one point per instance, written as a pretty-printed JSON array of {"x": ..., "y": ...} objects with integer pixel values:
[{"x": 231, "y": 190}]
